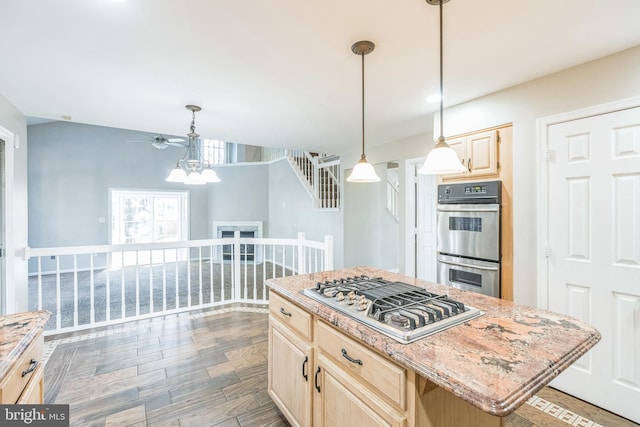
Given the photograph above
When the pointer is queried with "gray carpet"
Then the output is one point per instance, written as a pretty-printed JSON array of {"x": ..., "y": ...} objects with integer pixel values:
[{"x": 150, "y": 288}]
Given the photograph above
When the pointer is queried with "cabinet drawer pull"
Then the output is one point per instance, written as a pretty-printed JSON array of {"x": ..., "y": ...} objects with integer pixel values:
[
  {"x": 286, "y": 313},
  {"x": 469, "y": 164},
  {"x": 316, "y": 379},
  {"x": 304, "y": 371},
  {"x": 351, "y": 359},
  {"x": 32, "y": 366}
]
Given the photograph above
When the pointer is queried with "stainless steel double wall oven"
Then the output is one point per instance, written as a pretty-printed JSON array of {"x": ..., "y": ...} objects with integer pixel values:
[{"x": 468, "y": 236}]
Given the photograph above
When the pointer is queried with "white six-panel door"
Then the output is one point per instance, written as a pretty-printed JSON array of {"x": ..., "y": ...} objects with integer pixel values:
[{"x": 593, "y": 250}]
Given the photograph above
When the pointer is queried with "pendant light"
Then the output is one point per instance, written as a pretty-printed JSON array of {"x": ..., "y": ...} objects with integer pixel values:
[
  {"x": 363, "y": 170},
  {"x": 442, "y": 159}
]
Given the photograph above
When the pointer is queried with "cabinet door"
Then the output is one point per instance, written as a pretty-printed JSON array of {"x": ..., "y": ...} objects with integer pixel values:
[
  {"x": 482, "y": 152},
  {"x": 344, "y": 401},
  {"x": 33, "y": 393},
  {"x": 459, "y": 145},
  {"x": 289, "y": 370}
]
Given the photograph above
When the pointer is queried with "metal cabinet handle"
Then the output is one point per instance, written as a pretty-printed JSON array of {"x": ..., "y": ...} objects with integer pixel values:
[
  {"x": 286, "y": 313},
  {"x": 469, "y": 164},
  {"x": 316, "y": 379},
  {"x": 463, "y": 264},
  {"x": 32, "y": 367},
  {"x": 351, "y": 359},
  {"x": 304, "y": 371}
]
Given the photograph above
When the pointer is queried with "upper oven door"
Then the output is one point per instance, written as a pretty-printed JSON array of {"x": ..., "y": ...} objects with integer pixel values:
[{"x": 469, "y": 230}]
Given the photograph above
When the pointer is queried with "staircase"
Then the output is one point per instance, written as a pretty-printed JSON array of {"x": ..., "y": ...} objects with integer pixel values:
[{"x": 320, "y": 175}]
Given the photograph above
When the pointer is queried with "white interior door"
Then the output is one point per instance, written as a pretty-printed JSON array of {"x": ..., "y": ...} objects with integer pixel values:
[
  {"x": 3, "y": 308},
  {"x": 421, "y": 256},
  {"x": 593, "y": 264}
]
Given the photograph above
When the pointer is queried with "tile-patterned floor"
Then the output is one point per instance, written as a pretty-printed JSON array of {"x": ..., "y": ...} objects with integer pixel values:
[{"x": 210, "y": 369}]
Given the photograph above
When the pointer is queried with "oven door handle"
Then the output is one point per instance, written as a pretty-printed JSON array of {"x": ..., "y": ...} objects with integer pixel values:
[
  {"x": 446, "y": 208},
  {"x": 462, "y": 264}
]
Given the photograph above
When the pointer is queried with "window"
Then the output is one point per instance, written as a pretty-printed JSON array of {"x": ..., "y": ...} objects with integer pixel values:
[
  {"x": 213, "y": 151},
  {"x": 148, "y": 217}
]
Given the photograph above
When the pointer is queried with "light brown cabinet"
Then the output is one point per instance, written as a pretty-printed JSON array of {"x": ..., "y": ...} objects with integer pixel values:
[
  {"x": 290, "y": 360},
  {"x": 342, "y": 400},
  {"x": 478, "y": 152},
  {"x": 356, "y": 386},
  {"x": 24, "y": 382}
]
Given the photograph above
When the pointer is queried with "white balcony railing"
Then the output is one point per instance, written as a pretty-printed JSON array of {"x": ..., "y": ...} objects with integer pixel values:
[{"x": 90, "y": 286}]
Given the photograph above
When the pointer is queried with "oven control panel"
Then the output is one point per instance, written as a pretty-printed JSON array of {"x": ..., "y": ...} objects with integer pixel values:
[{"x": 471, "y": 193}]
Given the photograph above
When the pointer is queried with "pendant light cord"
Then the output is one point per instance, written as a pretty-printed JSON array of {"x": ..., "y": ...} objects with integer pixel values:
[
  {"x": 441, "y": 76},
  {"x": 362, "y": 55}
]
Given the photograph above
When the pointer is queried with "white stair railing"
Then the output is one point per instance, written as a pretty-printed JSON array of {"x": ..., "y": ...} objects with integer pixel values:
[
  {"x": 90, "y": 286},
  {"x": 392, "y": 199},
  {"x": 320, "y": 175}
]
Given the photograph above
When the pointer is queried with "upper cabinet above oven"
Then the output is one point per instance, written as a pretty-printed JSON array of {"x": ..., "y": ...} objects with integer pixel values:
[{"x": 478, "y": 152}]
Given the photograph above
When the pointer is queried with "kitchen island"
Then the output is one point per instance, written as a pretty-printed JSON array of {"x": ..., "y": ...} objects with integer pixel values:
[
  {"x": 21, "y": 351},
  {"x": 474, "y": 373}
]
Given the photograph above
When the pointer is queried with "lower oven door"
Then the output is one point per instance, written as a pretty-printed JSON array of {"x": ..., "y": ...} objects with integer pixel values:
[{"x": 470, "y": 275}]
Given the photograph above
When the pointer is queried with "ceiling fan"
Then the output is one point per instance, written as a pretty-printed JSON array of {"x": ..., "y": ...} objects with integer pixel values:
[{"x": 161, "y": 142}]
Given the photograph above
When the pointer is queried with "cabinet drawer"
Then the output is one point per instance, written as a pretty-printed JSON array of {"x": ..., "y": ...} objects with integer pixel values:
[
  {"x": 290, "y": 314},
  {"x": 14, "y": 383},
  {"x": 33, "y": 393},
  {"x": 384, "y": 376}
]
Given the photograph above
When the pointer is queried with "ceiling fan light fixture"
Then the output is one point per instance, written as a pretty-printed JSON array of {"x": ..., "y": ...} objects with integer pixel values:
[
  {"x": 363, "y": 171},
  {"x": 192, "y": 168},
  {"x": 442, "y": 159}
]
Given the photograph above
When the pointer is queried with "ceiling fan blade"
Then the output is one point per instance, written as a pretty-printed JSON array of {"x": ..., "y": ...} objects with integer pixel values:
[
  {"x": 176, "y": 144},
  {"x": 175, "y": 140},
  {"x": 160, "y": 145}
]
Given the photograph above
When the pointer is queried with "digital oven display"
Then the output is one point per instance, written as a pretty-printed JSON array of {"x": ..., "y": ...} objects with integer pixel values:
[{"x": 475, "y": 189}]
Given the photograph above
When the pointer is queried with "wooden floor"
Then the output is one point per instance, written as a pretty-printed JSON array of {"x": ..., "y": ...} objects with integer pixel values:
[{"x": 209, "y": 369}]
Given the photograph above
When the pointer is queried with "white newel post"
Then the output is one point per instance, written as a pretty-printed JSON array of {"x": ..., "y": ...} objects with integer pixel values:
[
  {"x": 328, "y": 253},
  {"x": 302, "y": 267},
  {"x": 236, "y": 256}
]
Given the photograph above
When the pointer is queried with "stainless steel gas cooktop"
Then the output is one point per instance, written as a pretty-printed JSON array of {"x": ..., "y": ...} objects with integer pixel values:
[{"x": 399, "y": 310}]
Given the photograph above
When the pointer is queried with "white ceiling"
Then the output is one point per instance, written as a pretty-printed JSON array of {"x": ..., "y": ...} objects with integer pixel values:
[{"x": 281, "y": 72}]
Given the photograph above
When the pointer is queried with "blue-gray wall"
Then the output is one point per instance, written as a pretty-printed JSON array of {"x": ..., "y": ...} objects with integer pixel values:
[
  {"x": 71, "y": 169},
  {"x": 291, "y": 211},
  {"x": 242, "y": 195}
]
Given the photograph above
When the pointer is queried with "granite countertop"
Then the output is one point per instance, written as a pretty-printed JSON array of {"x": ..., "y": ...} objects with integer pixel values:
[
  {"x": 495, "y": 362},
  {"x": 17, "y": 331}
]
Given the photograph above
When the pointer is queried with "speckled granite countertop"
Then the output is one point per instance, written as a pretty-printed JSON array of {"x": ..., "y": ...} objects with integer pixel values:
[
  {"x": 495, "y": 362},
  {"x": 17, "y": 331}
]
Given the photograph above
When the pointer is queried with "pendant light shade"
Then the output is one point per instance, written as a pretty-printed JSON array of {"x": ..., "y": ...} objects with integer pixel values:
[
  {"x": 209, "y": 175},
  {"x": 363, "y": 171},
  {"x": 442, "y": 159}
]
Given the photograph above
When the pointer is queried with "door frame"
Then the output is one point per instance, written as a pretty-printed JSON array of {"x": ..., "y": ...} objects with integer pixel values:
[
  {"x": 412, "y": 194},
  {"x": 410, "y": 248},
  {"x": 542, "y": 213},
  {"x": 7, "y": 270}
]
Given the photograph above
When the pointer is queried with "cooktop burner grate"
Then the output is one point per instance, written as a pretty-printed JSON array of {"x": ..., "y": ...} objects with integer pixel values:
[{"x": 402, "y": 311}]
